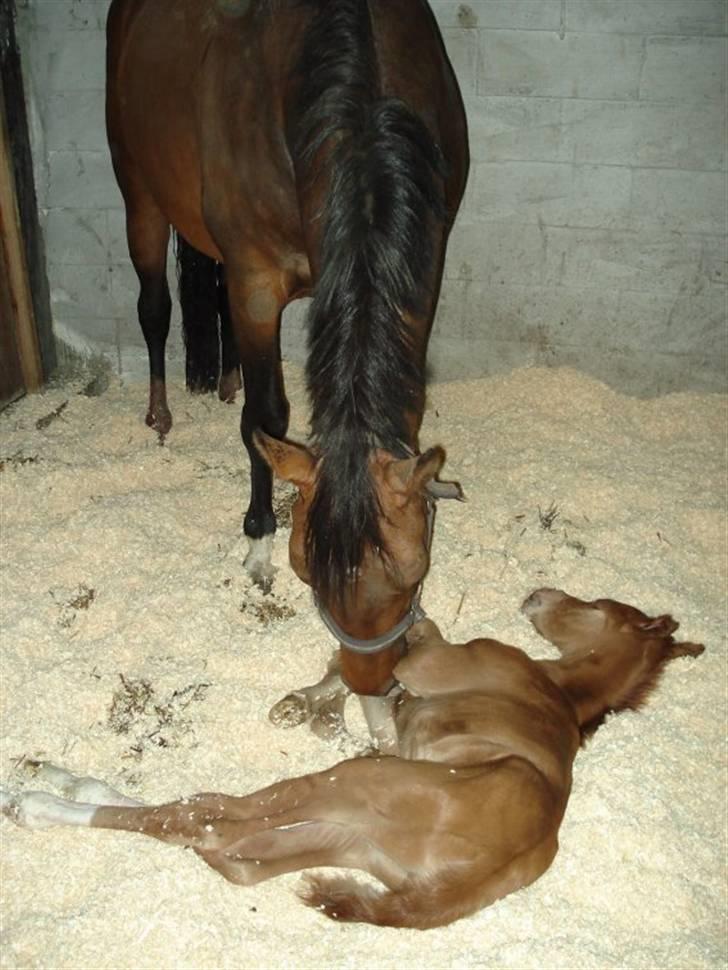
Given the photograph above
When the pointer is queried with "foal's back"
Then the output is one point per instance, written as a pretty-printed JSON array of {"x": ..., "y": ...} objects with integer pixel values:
[{"x": 485, "y": 701}]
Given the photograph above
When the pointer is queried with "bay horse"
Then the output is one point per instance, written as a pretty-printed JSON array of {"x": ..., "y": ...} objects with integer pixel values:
[
  {"x": 310, "y": 147},
  {"x": 470, "y": 809}
]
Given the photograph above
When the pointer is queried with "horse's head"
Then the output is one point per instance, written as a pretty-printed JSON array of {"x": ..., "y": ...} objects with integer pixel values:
[
  {"x": 612, "y": 653},
  {"x": 377, "y": 601}
]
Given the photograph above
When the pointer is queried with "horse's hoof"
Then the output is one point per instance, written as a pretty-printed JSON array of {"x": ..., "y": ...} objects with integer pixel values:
[
  {"x": 289, "y": 712},
  {"x": 159, "y": 420},
  {"x": 229, "y": 385},
  {"x": 258, "y": 564},
  {"x": 264, "y": 580}
]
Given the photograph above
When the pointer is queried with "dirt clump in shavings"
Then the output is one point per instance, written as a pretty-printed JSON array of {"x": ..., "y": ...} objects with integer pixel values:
[{"x": 149, "y": 720}]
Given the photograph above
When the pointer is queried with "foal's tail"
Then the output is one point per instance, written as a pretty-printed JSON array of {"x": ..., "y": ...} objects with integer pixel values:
[
  {"x": 209, "y": 344},
  {"x": 415, "y": 906},
  {"x": 423, "y": 903}
]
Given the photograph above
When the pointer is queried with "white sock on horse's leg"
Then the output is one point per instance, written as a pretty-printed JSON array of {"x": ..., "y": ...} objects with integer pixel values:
[{"x": 258, "y": 562}]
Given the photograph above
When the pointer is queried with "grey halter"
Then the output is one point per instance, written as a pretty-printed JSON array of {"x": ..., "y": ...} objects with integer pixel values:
[{"x": 415, "y": 613}]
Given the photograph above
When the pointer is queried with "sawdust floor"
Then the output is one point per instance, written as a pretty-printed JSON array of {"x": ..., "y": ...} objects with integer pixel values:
[{"x": 134, "y": 648}]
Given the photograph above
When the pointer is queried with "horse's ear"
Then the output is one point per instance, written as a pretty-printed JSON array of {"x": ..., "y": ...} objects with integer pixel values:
[
  {"x": 661, "y": 626},
  {"x": 289, "y": 461},
  {"x": 409, "y": 475}
]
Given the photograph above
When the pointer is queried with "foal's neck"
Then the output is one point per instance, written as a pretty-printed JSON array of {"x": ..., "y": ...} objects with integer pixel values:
[{"x": 607, "y": 677}]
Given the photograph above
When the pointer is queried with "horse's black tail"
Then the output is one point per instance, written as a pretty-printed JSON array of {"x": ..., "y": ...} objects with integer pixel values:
[{"x": 205, "y": 318}]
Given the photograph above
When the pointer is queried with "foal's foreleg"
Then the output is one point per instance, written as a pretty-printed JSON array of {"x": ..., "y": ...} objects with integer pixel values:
[
  {"x": 321, "y": 705},
  {"x": 80, "y": 798}
]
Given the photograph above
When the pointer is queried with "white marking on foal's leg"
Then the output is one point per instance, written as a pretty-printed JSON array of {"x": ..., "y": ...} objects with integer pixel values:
[
  {"x": 258, "y": 562},
  {"x": 379, "y": 715},
  {"x": 39, "y": 810},
  {"x": 80, "y": 788}
]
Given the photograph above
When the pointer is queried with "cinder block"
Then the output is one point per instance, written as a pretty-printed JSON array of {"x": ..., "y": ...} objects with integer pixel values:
[
  {"x": 89, "y": 335},
  {"x": 124, "y": 290},
  {"x": 496, "y": 253},
  {"x": 520, "y": 129},
  {"x": 523, "y": 14},
  {"x": 77, "y": 236},
  {"x": 687, "y": 69},
  {"x": 640, "y": 261},
  {"x": 642, "y": 133},
  {"x": 118, "y": 246},
  {"x": 82, "y": 180},
  {"x": 57, "y": 15},
  {"x": 462, "y": 49},
  {"x": 69, "y": 60},
  {"x": 542, "y": 64},
  {"x": 647, "y": 16},
  {"x": 550, "y": 194},
  {"x": 679, "y": 201},
  {"x": 80, "y": 292},
  {"x": 75, "y": 120}
]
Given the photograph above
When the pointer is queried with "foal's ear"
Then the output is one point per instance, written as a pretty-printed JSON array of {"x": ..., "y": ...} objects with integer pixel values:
[
  {"x": 289, "y": 461},
  {"x": 661, "y": 626},
  {"x": 410, "y": 475},
  {"x": 684, "y": 650}
]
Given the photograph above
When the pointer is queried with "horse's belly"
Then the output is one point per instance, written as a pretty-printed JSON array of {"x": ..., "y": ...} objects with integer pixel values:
[{"x": 153, "y": 121}]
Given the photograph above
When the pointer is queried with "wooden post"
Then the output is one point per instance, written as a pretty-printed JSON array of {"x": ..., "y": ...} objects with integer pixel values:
[{"x": 13, "y": 254}]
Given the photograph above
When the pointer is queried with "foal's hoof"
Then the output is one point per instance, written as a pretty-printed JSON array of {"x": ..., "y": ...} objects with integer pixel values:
[
  {"x": 289, "y": 712},
  {"x": 329, "y": 725}
]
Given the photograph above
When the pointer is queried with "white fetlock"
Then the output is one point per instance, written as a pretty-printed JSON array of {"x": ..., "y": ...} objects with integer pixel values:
[
  {"x": 39, "y": 810},
  {"x": 258, "y": 562}
]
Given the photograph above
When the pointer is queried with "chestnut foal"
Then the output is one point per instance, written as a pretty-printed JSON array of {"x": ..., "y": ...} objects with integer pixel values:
[{"x": 473, "y": 813}]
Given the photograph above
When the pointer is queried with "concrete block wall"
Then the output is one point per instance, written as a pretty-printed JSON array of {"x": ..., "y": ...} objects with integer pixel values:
[{"x": 593, "y": 231}]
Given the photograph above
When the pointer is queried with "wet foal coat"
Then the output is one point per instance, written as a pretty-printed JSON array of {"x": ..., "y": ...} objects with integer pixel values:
[
  {"x": 468, "y": 812},
  {"x": 312, "y": 146}
]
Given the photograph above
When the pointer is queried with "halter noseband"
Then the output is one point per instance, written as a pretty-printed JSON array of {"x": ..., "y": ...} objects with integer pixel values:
[{"x": 413, "y": 615}]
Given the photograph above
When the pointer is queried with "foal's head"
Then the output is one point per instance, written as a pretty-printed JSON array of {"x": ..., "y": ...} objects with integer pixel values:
[
  {"x": 371, "y": 600},
  {"x": 612, "y": 654}
]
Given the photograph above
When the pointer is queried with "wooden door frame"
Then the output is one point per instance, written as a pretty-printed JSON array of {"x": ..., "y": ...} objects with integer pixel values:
[
  {"x": 12, "y": 252},
  {"x": 21, "y": 242}
]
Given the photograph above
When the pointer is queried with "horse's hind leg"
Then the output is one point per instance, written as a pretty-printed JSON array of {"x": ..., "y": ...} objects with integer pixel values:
[
  {"x": 147, "y": 233},
  {"x": 230, "y": 381},
  {"x": 197, "y": 278}
]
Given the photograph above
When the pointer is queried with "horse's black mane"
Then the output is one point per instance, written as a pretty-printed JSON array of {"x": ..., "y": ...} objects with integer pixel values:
[{"x": 384, "y": 196}]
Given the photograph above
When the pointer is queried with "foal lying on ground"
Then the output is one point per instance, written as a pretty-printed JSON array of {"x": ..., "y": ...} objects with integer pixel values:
[{"x": 472, "y": 814}]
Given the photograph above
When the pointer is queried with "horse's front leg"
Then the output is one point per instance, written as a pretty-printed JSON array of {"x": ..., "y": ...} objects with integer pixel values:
[{"x": 256, "y": 303}]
